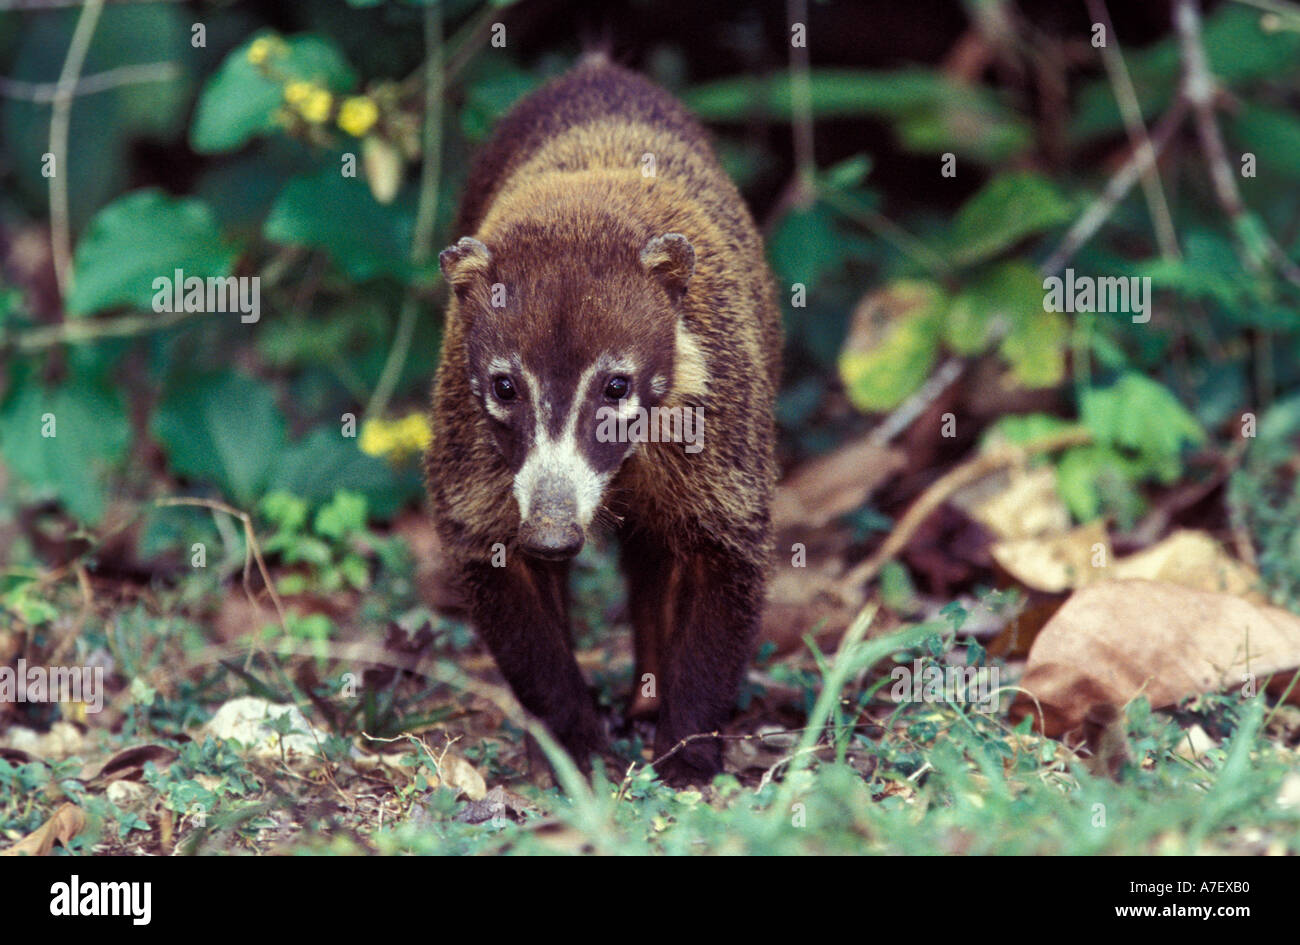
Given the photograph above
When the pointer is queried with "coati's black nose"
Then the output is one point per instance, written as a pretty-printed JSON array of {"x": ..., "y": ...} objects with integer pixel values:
[{"x": 551, "y": 540}]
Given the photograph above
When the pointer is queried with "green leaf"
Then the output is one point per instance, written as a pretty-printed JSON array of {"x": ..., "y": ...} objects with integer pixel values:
[
  {"x": 1142, "y": 415},
  {"x": 1272, "y": 135},
  {"x": 324, "y": 461},
  {"x": 342, "y": 516},
  {"x": 1094, "y": 480},
  {"x": 339, "y": 215},
  {"x": 804, "y": 247},
  {"x": 1036, "y": 345},
  {"x": 882, "y": 371},
  {"x": 934, "y": 113},
  {"x": 1006, "y": 210},
  {"x": 91, "y": 433},
  {"x": 1026, "y": 428},
  {"x": 223, "y": 429},
  {"x": 141, "y": 237},
  {"x": 238, "y": 102}
]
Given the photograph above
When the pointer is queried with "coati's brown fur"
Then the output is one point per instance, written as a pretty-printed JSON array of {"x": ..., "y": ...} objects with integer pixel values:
[{"x": 590, "y": 256}]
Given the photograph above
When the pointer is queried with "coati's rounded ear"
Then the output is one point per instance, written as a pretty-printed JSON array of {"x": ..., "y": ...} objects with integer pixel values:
[
  {"x": 671, "y": 259},
  {"x": 463, "y": 261}
]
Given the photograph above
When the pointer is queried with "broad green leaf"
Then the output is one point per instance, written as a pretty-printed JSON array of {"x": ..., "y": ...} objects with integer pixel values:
[
  {"x": 1142, "y": 415},
  {"x": 1093, "y": 480},
  {"x": 1272, "y": 135},
  {"x": 343, "y": 515},
  {"x": 1026, "y": 428},
  {"x": 239, "y": 102},
  {"x": 141, "y": 237},
  {"x": 325, "y": 461},
  {"x": 339, "y": 215},
  {"x": 804, "y": 247},
  {"x": 884, "y": 362},
  {"x": 224, "y": 429},
  {"x": 90, "y": 435},
  {"x": 934, "y": 113},
  {"x": 1006, "y": 210}
]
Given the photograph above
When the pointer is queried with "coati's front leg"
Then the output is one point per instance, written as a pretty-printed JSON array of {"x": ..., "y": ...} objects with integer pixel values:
[
  {"x": 718, "y": 606},
  {"x": 521, "y": 612},
  {"x": 652, "y": 575}
]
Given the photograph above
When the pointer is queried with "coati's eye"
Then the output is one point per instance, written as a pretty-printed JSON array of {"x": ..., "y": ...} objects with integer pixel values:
[
  {"x": 617, "y": 387},
  {"x": 504, "y": 388}
]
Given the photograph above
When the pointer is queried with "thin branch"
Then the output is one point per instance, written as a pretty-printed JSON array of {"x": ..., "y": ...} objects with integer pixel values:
[
  {"x": 1200, "y": 89},
  {"x": 79, "y": 331},
  {"x": 801, "y": 120},
  {"x": 970, "y": 471},
  {"x": 1126, "y": 98},
  {"x": 426, "y": 211},
  {"x": 1084, "y": 228},
  {"x": 46, "y": 92},
  {"x": 252, "y": 550},
  {"x": 60, "y": 120}
]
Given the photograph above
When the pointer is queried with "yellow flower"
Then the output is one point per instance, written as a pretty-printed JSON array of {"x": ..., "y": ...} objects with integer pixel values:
[
  {"x": 358, "y": 115},
  {"x": 396, "y": 439},
  {"x": 317, "y": 106},
  {"x": 263, "y": 48},
  {"x": 297, "y": 92}
]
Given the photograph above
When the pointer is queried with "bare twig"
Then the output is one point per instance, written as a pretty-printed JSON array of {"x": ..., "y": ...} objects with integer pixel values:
[
  {"x": 252, "y": 550},
  {"x": 83, "y": 330},
  {"x": 801, "y": 120},
  {"x": 60, "y": 120},
  {"x": 1126, "y": 98},
  {"x": 1200, "y": 89},
  {"x": 938, "y": 493},
  {"x": 46, "y": 92},
  {"x": 426, "y": 211},
  {"x": 1116, "y": 189}
]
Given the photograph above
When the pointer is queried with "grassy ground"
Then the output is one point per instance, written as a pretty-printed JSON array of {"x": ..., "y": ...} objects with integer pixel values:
[{"x": 821, "y": 759}]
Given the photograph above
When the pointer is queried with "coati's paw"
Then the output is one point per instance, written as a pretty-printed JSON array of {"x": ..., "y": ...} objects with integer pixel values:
[{"x": 689, "y": 768}]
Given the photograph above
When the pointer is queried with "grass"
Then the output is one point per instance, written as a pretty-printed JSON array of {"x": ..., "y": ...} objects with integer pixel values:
[{"x": 865, "y": 776}]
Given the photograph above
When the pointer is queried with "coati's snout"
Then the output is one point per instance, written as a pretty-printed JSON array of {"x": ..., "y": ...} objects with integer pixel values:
[
  {"x": 568, "y": 343},
  {"x": 552, "y": 530}
]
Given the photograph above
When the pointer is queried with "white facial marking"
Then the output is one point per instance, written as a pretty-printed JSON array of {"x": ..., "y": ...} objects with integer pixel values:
[
  {"x": 659, "y": 384},
  {"x": 560, "y": 458}
]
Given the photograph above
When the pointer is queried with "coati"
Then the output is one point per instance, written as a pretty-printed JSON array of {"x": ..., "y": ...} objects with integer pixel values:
[{"x": 607, "y": 263}]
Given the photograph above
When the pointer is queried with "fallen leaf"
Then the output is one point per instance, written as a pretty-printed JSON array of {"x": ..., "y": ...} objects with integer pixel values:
[
  {"x": 128, "y": 763},
  {"x": 1114, "y": 641},
  {"x": 1027, "y": 506},
  {"x": 249, "y": 720},
  {"x": 1056, "y": 563},
  {"x": 459, "y": 774},
  {"x": 67, "y": 822},
  {"x": 1192, "y": 559},
  {"x": 834, "y": 485}
]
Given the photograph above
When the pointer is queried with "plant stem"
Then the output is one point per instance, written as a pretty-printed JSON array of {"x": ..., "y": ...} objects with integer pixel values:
[
  {"x": 426, "y": 210},
  {"x": 60, "y": 119}
]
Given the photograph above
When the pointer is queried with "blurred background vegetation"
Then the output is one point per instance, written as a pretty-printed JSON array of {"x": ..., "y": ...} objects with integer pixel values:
[
  {"x": 211, "y": 138},
  {"x": 216, "y": 138}
]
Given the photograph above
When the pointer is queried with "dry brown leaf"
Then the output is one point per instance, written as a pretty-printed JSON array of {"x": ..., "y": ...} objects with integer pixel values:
[
  {"x": 1192, "y": 559},
  {"x": 1059, "y": 562},
  {"x": 1027, "y": 505},
  {"x": 1114, "y": 641},
  {"x": 834, "y": 485},
  {"x": 67, "y": 822},
  {"x": 460, "y": 775},
  {"x": 1083, "y": 556},
  {"x": 128, "y": 763}
]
